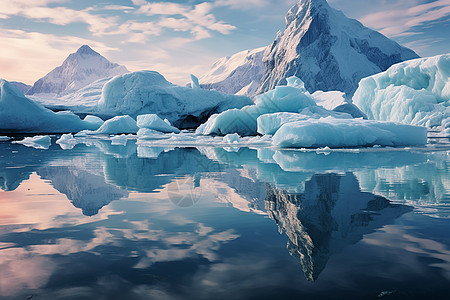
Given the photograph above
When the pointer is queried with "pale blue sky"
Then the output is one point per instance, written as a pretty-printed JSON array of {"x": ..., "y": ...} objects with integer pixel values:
[{"x": 177, "y": 37}]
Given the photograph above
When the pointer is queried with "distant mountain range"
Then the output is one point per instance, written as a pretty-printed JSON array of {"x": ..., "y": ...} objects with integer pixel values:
[
  {"x": 320, "y": 45},
  {"x": 77, "y": 71}
]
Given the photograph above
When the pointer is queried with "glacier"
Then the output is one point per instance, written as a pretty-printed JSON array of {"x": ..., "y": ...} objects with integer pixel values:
[
  {"x": 20, "y": 114},
  {"x": 338, "y": 133},
  {"x": 414, "y": 92},
  {"x": 148, "y": 92}
]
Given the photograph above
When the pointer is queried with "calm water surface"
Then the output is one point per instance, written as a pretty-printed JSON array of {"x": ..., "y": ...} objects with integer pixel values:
[{"x": 103, "y": 221}]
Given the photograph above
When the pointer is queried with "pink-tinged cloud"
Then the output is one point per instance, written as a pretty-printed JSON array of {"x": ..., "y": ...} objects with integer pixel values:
[{"x": 399, "y": 21}]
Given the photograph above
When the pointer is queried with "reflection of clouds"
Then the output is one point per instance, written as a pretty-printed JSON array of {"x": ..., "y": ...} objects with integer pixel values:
[
  {"x": 417, "y": 248},
  {"x": 38, "y": 205},
  {"x": 204, "y": 241},
  {"x": 19, "y": 270}
]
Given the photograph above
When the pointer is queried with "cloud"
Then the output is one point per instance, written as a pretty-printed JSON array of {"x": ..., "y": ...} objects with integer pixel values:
[
  {"x": 26, "y": 56},
  {"x": 401, "y": 17},
  {"x": 242, "y": 5},
  {"x": 39, "y": 11},
  {"x": 197, "y": 20}
]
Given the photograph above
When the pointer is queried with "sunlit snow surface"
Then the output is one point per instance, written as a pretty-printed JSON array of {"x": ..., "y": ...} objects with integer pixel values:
[
  {"x": 413, "y": 92},
  {"x": 20, "y": 114}
]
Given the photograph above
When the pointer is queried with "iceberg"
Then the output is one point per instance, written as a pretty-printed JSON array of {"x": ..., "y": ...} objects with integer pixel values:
[
  {"x": 244, "y": 121},
  {"x": 117, "y": 125},
  {"x": 194, "y": 82},
  {"x": 145, "y": 92},
  {"x": 152, "y": 121},
  {"x": 94, "y": 120},
  {"x": 231, "y": 138},
  {"x": 20, "y": 114},
  {"x": 414, "y": 92},
  {"x": 339, "y": 133}
]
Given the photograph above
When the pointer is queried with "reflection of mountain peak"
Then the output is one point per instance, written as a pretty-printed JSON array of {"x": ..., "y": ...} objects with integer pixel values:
[
  {"x": 86, "y": 191},
  {"x": 331, "y": 214}
]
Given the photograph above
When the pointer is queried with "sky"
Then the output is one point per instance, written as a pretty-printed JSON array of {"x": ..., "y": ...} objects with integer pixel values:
[{"x": 177, "y": 38}]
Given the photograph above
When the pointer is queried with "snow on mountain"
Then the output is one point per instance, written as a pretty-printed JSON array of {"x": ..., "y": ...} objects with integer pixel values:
[
  {"x": 327, "y": 50},
  {"x": 320, "y": 45},
  {"x": 77, "y": 71},
  {"x": 237, "y": 73},
  {"x": 330, "y": 215}
]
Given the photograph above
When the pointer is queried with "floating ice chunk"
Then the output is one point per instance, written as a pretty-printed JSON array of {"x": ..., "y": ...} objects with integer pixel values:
[
  {"x": 231, "y": 138},
  {"x": 338, "y": 133},
  {"x": 194, "y": 82},
  {"x": 413, "y": 92},
  {"x": 38, "y": 142},
  {"x": 244, "y": 121},
  {"x": 152, "y": 121},
  {"x": 144, "y": 92},
  {"x": 4, "y": 138},
  {"x": 94, "y": 120},
  {"x": 67, "y": 141},
  {"x": 117, "y": 125},
  {"x": 20, "y": 114}
]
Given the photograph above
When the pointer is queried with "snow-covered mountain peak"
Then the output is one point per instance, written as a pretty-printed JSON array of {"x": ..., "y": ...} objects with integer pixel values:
[
  {"x": 303, "y": 8},
  {"x": 327, "y": 50},
  {"x": 77, "y": 71},
  {"x": 85, "y": 49}
]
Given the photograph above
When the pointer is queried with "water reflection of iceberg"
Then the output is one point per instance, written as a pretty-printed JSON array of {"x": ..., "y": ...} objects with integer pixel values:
[
  {"x": 331, "y": 214},
  {"x": 415, "y": 177},
  {"x": 149, "y": 174},
  {"x": 86, "y": 191}
]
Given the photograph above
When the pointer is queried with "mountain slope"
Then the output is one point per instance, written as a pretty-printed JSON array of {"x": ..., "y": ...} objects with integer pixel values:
[
  {"x": 327, "y": 50},
  {"x": 320, "y": 45},
  {"x": 78, "y": 70},
  {"x": 232, "y": 74},
  {"x": 21, "y": 86}
]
